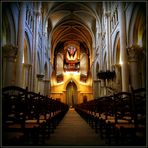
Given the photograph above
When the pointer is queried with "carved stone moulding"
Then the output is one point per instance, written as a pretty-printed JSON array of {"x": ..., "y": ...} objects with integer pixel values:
[
  {"x": 9, "y": 51},
  {"x": 40, "y": 76},
  {"x": 134, "y": 52},
  {"x": 59, "y": 78}
]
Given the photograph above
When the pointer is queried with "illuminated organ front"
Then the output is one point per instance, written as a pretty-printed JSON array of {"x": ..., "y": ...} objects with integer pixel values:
[
  {"x": 71, "y": 53},
  {"x": 71, "y": 56}
]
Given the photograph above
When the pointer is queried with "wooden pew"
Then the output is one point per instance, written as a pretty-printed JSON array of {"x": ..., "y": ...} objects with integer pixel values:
[
  {"x": 28, "y": 117},
  {"x": 119, "y": 118}
]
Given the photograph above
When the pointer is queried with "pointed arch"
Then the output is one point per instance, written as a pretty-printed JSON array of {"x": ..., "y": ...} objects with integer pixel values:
[
  {"x": 71, "y": 93},
  {"x": 69, "y": 80},
  {"x": 8, "y": 26},
  {"x": 137, "y": 29},
  {"x": 116, "y": 49},
  {"x": 27, "y": 50}
]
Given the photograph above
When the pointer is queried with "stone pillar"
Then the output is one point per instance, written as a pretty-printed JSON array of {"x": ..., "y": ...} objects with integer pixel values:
[
  {"x": 35, "y": 47},
  {"x": 46, "y": 87},
  {"x": 96, "y": 88},
  {"x": 43, "y": 49},
  {"x": 40, "y": 81},
  {"x": 101, "y": 52},
  {"x": 118, "y": 77},
  {"x": 108, "y": 47},
  {"x": 103, "y": 87},
  {"x": 133, "y": 53},
  {"x": 123, "y": 51},
  {"x": 9, "y": 55},
  {"x": 27, "y": 75},
  {"x": 21, "y": 36}
]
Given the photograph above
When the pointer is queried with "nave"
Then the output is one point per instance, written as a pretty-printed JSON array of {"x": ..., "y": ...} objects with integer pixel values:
[
  {"x": 62, "y": 61},
  {"x": 30, "y": 119},
  {"x": 74, "y": 131}
]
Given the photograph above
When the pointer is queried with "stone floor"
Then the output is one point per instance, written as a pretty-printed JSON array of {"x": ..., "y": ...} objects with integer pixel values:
[{"x": 74, "y": 131}]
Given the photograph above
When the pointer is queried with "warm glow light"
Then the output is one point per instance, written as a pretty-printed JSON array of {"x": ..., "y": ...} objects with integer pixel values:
[
  {"x": 120, "y": 62},
  {"x": 59, "y": 83},
  {"x": 23, "y": 59},
  {"x": 140, "y": 40},
  {"x": 71, "y": 72}
]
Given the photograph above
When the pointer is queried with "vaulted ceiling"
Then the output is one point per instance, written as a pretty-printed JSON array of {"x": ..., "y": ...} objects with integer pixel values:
[{"x": 72, "y": 21}]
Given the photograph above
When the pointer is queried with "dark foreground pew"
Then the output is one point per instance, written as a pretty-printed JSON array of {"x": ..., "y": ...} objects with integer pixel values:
[
  {"x": 29, "y": 118},
  {"x": 120, "y": 119}
]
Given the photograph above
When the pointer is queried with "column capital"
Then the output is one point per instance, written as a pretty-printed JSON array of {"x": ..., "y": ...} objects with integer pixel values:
[
  {"x": 133, "y": 52},
  {"x": 27, "y": 65},
  {"x": 37, "y": 12},
  {"x": 107, "y": 13},
  {"x": 44, "y": 33},
  {"x": 10, "y": 51},
  {"x": 47, "y": 80},
  {"x": 117, "y": 65},
  {"x": 97, "y": 80},
  {"x": 40, "y": 76}
]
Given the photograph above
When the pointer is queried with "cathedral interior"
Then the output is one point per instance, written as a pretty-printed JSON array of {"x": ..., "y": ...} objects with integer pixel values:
[{"x": 62, "y": 59}]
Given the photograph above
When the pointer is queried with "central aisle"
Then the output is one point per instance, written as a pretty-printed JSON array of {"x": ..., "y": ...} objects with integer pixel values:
[{"x": 74, "y": 131}]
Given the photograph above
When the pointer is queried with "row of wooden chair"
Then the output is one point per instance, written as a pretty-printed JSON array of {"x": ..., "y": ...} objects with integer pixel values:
[
  {"x": 120, "y": 118},
  {"x": 29, "y": 118}
]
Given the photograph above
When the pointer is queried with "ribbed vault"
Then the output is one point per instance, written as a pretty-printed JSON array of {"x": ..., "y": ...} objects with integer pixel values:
[{"x": 72, "y": 21}]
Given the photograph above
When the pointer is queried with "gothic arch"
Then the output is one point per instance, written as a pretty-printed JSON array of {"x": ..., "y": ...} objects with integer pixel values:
[
  {"x": 9, "y": 26},
  {"x": 116, "y": 49},
  {"x": 26, "y": 75},
  {"x": 27, "y": 50},
  {"x": 137, "y": 36},
  {"x": 71, "y": 93},
  {"x": 68, "y": 81},
  {"x": 137, "y": 25}
]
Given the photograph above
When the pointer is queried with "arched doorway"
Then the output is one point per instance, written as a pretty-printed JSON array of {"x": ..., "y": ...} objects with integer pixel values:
[{"x": 71, "y": 94}]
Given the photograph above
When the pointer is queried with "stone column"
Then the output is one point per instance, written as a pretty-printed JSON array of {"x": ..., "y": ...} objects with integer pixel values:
[
  {"x": 96, "y": 88},
  {"x": 46, "y": 87},
  {"x": 100, "y": 50},
  {"x": 39, "y": 83},
  {"x": 118, "y": 77},
  {"x": 9, "y": 55},
  {"x": 133, "y": 53},
  {"x": 43, "y": 49},
  {"x": 27, "y": 75},
  {"x": 35, "y": 46},
  {"x": 123, "y": 51},
  {"x": 103, "y": 87},
  {"x": 21, "y": 36},
  {"x": 108, "y": 48}
]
